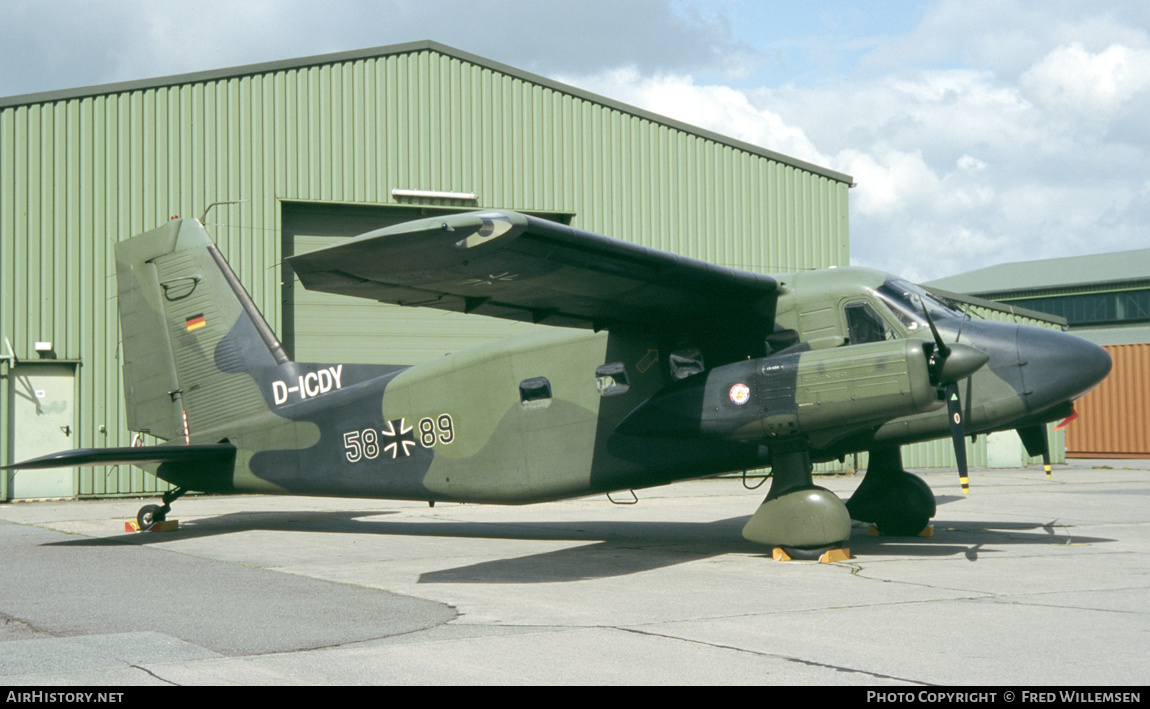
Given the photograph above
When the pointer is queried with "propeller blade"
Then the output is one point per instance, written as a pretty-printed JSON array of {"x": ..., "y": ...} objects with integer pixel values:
[
  {"x": 942, "y": 348},
  {"x": 947, "y": 366},
  {"x": 1037, "y": 442},
  {"x": 941, "y": 351},
  {"x": 957, "y": 434},
  {"x": 1046, "y": 453},
  {"x": 949, "y": 363}
]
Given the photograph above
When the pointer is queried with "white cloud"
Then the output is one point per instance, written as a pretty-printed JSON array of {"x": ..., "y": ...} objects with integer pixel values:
[
  {"x": 968, "y": 163},
  {"x": 1007, "y": 37},
  {"x": 1093, "y": 84},
  {"x": 994, "y": 130},
  {"x": 955, "y": 168},
  {"x": 72, "y": 43},
  {"x": 889, "y": 181},
  {"x": 721, "y": 109}
]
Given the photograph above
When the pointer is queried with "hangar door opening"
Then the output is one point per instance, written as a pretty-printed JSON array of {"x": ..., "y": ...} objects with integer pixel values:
[{"x": 322, "y": 327}]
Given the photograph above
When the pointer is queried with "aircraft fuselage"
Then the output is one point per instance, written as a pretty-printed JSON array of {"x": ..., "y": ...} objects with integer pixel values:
[{"x": 563, "y": 413}]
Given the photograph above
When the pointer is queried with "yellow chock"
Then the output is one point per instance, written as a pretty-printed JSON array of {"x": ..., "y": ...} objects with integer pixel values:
[
  {"x": 832, "y": 555},
  {"x": 872, "y": 531},
  {"x": 827, "y": 557},
  {"x": 928, "y": 532},
  {"x": 167, "y": 525}
]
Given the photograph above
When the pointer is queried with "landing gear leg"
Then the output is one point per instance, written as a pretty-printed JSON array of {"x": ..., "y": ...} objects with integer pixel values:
[
  {"x": 149, "y": 515},
  {"x": 797, "y": 513},
  {"x": 897, "y": 502}
]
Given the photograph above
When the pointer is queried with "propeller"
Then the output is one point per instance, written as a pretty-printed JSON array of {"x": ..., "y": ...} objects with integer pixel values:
[
  {"x": 1036, "y": 441},
  {"x": 948, "y": 364}
]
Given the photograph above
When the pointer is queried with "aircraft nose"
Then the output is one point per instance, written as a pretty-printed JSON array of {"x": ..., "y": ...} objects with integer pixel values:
[{"x": 1059, "y": 367}]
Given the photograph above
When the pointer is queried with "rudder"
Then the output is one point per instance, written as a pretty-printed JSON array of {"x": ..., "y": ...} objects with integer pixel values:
[{"x": 192, "y": 336}]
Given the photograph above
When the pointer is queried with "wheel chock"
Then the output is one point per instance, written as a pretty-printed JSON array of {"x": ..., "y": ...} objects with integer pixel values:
[
  {"x": 827, "y": 557},
  {"x": 167, "y": 525},
  {"x": 832, "y": 555}
]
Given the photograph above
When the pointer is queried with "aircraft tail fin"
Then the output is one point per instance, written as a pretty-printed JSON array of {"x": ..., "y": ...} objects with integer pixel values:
[{"x": 192, "y": 336}]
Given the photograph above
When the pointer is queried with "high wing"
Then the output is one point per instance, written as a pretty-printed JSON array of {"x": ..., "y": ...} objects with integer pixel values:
[{"x": 510, "y": 265}]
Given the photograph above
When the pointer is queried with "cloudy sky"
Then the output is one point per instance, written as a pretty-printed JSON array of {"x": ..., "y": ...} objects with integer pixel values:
[{"x": 978, "y": 131}]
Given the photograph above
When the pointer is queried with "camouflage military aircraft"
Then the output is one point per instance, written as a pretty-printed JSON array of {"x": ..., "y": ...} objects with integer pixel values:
[{"x": 661, "y": 368}]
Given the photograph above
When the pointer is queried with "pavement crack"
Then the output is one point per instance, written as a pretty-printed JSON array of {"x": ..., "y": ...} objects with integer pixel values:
[
  {"x": 153, "y": 674},
  {"x": 10, "y": 622},
  {"x": 777, "y": 656}
]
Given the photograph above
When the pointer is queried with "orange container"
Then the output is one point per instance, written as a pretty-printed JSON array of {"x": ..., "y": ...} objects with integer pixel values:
[{"x": 1114, "y": 419}]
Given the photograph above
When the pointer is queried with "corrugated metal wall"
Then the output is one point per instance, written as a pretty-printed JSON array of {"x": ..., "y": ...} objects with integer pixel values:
[
  {"x": 1111, "y": 419},
  {"x": 79, "y": 172}
]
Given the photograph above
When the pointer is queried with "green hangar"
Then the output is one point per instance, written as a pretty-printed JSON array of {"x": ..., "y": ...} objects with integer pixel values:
[{"x": 280, "y": 158}]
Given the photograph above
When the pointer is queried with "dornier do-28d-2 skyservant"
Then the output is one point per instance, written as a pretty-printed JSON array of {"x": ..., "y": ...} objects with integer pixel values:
[{"x": 658, "y": 368}]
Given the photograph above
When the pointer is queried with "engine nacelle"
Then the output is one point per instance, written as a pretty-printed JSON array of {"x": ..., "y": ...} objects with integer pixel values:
[{"x": 846, "y": 389}]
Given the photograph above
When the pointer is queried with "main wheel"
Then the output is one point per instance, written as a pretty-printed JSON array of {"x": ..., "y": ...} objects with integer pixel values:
[
  {"x": 902, "y": 524},
  {"x": 900, "y": 505}
]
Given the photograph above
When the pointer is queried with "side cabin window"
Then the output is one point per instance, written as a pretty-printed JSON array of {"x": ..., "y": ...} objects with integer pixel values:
[
  {"x": 535, "y": 393},
  {"x": 865, "y": 325},
  {"x": 611, "y": 379},
  {"x": 686, "y": 362}
]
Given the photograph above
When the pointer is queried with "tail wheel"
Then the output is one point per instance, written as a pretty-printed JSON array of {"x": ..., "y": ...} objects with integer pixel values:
[{"x": 147, "y": 517}]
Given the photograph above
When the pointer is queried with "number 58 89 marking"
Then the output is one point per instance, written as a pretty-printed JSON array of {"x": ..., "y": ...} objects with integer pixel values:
[{"x": 365, "y": 444}]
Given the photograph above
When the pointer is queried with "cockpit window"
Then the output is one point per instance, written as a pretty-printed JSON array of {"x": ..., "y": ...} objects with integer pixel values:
[
  {"x": 865, "y": 325},
  {"x": 906, "y": 301}
]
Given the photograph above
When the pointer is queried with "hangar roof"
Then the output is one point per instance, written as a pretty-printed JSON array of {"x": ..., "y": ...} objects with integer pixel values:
[
  {"x": 1052, "y": 273},
  {"x": 411, "y": 47}
]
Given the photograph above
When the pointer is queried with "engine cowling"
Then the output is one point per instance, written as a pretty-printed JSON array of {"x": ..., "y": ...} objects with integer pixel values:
[{"x": 833, "y": 392}]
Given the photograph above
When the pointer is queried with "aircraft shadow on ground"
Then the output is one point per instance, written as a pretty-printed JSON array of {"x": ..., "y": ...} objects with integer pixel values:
[
  {"x": 606, "y": 548},
  {"x": 971, "y": 539}
]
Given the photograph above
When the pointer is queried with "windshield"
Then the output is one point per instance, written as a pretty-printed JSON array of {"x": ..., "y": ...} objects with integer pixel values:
[{"x": 906, "y": 301}]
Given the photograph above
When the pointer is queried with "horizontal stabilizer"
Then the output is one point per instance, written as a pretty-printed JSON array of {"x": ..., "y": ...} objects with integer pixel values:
[{"x": 206, "y": 454}]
